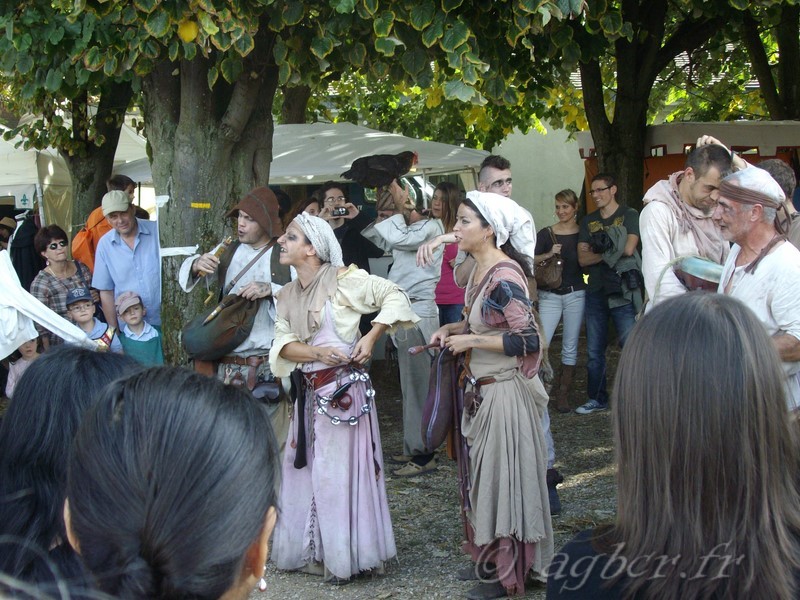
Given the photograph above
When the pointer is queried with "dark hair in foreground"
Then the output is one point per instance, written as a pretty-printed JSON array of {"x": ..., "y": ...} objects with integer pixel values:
[
  {"x": 170, "y": 481},
  {"x": 49, "y": 402},
  {"x": 522, "y": 260},
  {"x": 706, "y": 453}
]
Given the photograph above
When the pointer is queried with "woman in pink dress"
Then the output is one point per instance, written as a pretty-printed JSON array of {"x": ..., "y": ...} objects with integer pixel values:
[{"x": 334, "y": 518}]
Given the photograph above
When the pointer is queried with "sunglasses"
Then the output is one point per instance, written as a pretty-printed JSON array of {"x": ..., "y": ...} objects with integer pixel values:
[{"x": 58, "y": 244}]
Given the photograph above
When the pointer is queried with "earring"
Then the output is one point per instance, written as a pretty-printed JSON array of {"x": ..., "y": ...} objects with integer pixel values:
[{"x": 262, "y": 585}]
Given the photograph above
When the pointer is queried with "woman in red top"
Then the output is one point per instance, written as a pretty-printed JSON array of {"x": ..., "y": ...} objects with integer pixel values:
[{"x": 449, "y": 297}]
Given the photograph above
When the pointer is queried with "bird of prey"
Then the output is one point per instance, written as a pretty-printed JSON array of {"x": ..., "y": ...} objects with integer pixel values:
[{"x": 380, "y": 169}]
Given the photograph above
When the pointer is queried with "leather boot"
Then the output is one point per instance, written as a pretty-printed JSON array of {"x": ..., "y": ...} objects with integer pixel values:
[
  {"x": 553, "y": 479},
  {"x": 564, "y": 388}
]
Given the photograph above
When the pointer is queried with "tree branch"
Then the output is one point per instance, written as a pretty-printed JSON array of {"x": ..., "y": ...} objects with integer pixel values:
[
  {"x": 686, "y": 38},
  {"x": 760, "y": 64},
  {"x": 789, "y": 62},
  {"x": 246, "y": 90},
  {"x": 593, "y": 101}
]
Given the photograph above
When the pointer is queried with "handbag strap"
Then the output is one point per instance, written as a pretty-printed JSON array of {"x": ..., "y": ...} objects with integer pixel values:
[
  {"x": 552, "y": 236},
  {"x": 236, "y": 279},
  {"x": 80, "y": 274}
]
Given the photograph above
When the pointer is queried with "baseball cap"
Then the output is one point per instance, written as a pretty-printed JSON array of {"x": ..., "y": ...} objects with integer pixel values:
[
  {"x": 115, "y": 201},
  {"x": 78, "y": 294},
  {"x": 127, "y": 299}
]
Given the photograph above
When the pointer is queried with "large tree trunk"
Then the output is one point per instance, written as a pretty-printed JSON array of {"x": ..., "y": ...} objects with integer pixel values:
[
  {"x": 90, "y": 168},
  {"x": 208, "y": 148},
  {"x": 619, "y": 141}
]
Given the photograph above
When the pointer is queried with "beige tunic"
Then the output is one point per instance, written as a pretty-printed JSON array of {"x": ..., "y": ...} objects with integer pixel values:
[{"x": 508, "y": 455}]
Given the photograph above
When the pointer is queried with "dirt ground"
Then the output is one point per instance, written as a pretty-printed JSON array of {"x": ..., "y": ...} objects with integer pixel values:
[{"x": 425, "y": 509}]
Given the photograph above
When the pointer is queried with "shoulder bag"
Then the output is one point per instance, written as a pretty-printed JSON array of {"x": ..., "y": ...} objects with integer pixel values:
[
  {"x": 548, "y": 271},
  {"x": 218, "y": 331}
]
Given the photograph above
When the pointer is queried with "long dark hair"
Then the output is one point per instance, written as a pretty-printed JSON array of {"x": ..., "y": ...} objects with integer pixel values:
[
  {"x": 523, "y": 260},
  {"x": 49, "y": 401},
  {"x": 706, "y": 455},
  {"x": 451, "y": 198},
  {"x": 170, "y": 480}
]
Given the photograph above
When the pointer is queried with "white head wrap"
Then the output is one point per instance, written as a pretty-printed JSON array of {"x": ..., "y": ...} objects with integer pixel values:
[
  {"x": 321, "y": 236},
  {"x": 508, "y": 219}
]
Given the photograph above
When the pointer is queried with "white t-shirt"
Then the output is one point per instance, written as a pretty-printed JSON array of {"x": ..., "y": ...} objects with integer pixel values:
[{"x": 772, "y": 292}]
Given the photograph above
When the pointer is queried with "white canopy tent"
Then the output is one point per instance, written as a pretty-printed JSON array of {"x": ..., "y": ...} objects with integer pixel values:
[
  {"x": 321, "y": 151},
  {"x": 318, "y": 152}
]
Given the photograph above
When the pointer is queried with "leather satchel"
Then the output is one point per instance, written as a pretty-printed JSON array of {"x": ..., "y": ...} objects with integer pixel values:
[
  {"x": 548, "y": 271},
  {"x": 222, "y": 334},
  {"x": 437, "y": 413},
  {"x": 219, "y": 330}
]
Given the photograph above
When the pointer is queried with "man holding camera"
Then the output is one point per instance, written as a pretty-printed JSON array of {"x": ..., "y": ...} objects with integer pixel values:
[{"x": 607, "y": 243}]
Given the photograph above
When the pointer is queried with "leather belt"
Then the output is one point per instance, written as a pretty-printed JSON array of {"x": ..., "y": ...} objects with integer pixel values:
[
  {"x": 562, "y": 291},
  {"x": 244, "y": 361}
]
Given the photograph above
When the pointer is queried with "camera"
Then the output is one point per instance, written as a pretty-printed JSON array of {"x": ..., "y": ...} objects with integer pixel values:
[
  {"x": 632, "y": 279},
  {"x": 339, "y": 211}
]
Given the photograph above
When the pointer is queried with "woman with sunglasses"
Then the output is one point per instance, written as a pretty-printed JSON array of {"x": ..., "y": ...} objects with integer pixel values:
[
  {"x": 60, "y": 275},
  {"x": 334, "y": 519}
]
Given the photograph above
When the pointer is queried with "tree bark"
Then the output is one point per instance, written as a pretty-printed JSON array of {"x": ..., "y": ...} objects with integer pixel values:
[
  {"x": 760, "y": 64},
  {"x": 619, "y": 140},
  {"x": 92, "y": 165},
  {"x": 295, "y": 103},
  {"x": 788, "y": 33},
  {"x": 207, "y": 149}
]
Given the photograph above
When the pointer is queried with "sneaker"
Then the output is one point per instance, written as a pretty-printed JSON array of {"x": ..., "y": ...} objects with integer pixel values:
[
  {"x": 400, "y": 458},
  {"x": 412, "y": 469},
  {"x": 590, "y": 407}
]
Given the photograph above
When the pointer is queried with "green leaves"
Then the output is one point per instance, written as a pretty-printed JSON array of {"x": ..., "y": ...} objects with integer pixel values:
[
  {"x": 231, "y": 68},
  {"x": 459, "y": 90},
  {"x": 383, "y": 24},
  {"x": 414, "y": 61},
  {"x": 454, "y": 36},
  {"x": 422, "y": 15},
  {"x": 322, "y": 46},
  {"x": 157, "y": 24}
]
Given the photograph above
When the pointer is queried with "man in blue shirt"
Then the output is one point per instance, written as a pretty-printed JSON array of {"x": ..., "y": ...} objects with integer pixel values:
[{"x": 128, "y": 258}]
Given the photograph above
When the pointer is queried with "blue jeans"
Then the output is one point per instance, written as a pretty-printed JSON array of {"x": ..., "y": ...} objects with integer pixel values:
[
  {"x": 551, "y": 309},
  {"x": 597, "y": 314},
  {"x": 449, "y": 313}
]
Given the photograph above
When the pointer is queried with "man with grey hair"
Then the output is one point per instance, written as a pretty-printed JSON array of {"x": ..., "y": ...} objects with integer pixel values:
[{"x": 762, "y": 269}]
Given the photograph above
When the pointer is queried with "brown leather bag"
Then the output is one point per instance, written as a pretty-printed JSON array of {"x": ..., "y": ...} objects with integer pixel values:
[{"x": 548, "y": 271}]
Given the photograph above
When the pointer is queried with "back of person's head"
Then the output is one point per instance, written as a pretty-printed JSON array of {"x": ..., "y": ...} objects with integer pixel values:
[
  {"x": 171, "y": 483},
  {"x": 707, "y": 456},
  {"x": 120, "y": 182},
  {"x": 782, "y": 173},
  {"x": 49, "y": 401},
  {"x": 702, "y": 159}
]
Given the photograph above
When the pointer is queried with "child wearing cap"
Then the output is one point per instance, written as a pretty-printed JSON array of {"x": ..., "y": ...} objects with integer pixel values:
[
  {"x": 140, "y": 340},
  {"x": 80, "y": 309}
]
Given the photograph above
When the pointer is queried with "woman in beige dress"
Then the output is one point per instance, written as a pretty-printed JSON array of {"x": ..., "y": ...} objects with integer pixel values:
[{"x": 502, "y": 455}]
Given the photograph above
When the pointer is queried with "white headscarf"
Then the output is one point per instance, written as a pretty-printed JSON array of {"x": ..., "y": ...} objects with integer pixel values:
[
  {"x": 508, "y": 219},
  {"x": 321, "y": 236}
]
